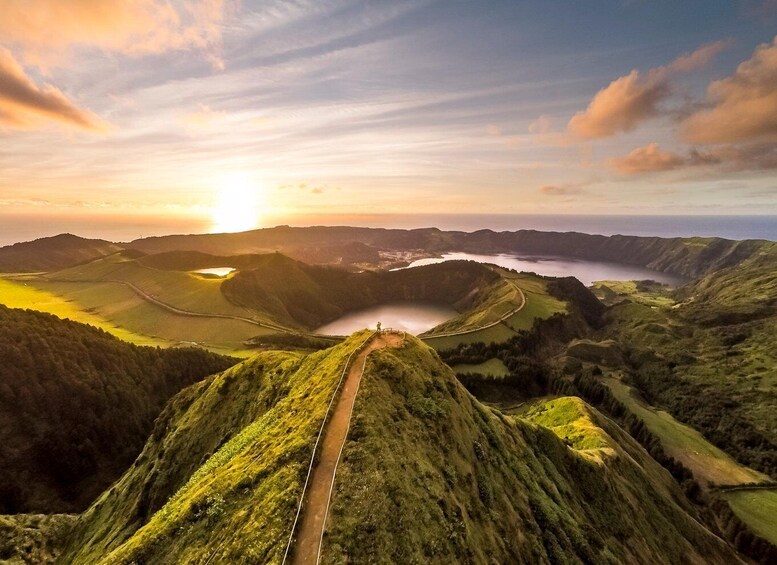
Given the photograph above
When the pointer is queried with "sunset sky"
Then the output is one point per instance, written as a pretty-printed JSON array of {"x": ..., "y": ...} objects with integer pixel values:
[{"x": 238, "y": 113}]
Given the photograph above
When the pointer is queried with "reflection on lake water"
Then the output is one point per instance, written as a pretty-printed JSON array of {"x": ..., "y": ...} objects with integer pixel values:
[
  {"x": 416, "y": 317},
  {"x": 412, "y": 316},
  {"x": 217, "y": 271},
  {"x": 585, "y": 271}
]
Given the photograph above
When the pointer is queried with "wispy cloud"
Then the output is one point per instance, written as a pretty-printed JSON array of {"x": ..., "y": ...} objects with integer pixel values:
[
  {"x": 45, "y": 31},
  {"x": 25, "y": 105},
  {"x": 651, "y": 159},
  {"x": 560, "y": 190}
]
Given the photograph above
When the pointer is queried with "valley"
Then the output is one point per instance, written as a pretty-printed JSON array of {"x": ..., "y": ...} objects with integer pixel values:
[
  {"x": 388, "y": 283},
  {"x": 628, "y": 378}
]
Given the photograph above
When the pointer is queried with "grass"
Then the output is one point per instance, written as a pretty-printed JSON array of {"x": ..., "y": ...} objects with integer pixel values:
[
  {"x": 483, "y": 487},
  {"x": 33, "y": 538},
  {"x": 222, "y": 474},
  {"x": 21, "y": 293},
  {"x": 122, "y": 306},
  {"x": 758, "y": 509},
  {"x": 220, "y": 477},
  {"x": 539, "y": 305},
  {"x": 724, "y": 374},
  {"x": 708, "y": 463},
  {"x": 570, "y": 419},
  {"x": 500, "y": 298},
  {"x": 180, "y": 289},
  {"x": 614, "y": 291},
  {"x": 492, "y": 367}
]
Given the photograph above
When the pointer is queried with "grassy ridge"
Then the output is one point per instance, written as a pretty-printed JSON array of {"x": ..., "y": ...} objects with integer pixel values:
[
  {"x": 539, "y": 304},
  {"x": 571, "y": 420},
  {"x": 177, "y": 288},
  {"x": 481, "y": 487},
  {"x": 223, "y": 470},
  {"x": 52, "y": 253},
  {"x": 719, "y": 379}
]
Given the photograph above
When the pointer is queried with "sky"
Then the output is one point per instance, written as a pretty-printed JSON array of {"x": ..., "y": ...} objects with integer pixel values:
[{"x": 227, "y": 115}]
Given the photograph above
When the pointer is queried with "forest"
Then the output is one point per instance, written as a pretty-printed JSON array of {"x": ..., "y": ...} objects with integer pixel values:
[{"x": 76, "y": 406}]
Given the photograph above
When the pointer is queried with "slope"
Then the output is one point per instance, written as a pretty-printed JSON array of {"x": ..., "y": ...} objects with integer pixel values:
[
  {"x": 52, "y": 253},
  {"x": 428, "y": 475},
  {"x": 76, "y": 406},
  {"x": 309, "y": 296}
]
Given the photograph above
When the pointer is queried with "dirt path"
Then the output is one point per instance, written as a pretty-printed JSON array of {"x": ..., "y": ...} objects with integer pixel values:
[
  {"x": 316, "y": 503},
  {"x": 181, "y": 312},
  {"x": 489, "y": 325}
]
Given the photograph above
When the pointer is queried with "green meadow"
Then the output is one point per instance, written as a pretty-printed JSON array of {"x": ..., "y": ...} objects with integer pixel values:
[
  {"x": 22, "y": 293},
  {"x": 708, "y": 463},
  {"x": 757, "y": 508}
]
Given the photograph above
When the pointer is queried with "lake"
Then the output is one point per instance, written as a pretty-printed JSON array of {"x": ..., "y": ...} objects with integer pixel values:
[
  {"x": 416, "y": 317},
  {"x": 585, "y": 271},
  {"x": 217, "y": 271},
  {"x": 412, "y": 316}
]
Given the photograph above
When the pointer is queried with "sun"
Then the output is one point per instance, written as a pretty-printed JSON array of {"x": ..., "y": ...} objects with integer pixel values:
[{"x": 238, "y": 206}]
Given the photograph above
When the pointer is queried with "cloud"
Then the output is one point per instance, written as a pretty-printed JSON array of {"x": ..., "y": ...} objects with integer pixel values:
[
  {"x": 743, "y": 105},
  {"x": 560, "y": 190},
  {"x": 651, "y": 159},
  {"x": 45, "y": 30},
  {"x": 23, "y": 104},
  {"x": 494, "y": 130},
  {"x": 699, "y": 58},
  {"x": 621, "y": 106},
  {"x": 631, "y": 99},
  {"x": 305, "y": 187},
  {"x": 203, "y": 118},
  {"x": 540, "y": 125},
  {"x": 749, "y": 157},
  {"x": 646, "y": 160}
]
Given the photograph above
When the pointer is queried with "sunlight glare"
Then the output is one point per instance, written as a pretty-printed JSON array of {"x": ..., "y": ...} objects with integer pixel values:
[{"x": 238, "y": 205}]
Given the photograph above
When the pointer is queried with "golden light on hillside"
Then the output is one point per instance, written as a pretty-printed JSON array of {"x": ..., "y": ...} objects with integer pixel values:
[{"x": 238, "y": 205}]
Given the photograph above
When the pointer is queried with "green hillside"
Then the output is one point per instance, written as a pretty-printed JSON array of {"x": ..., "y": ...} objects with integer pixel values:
[
  {"x": 223, "y": 468},
  {"x": 76, "y": 406},
  {"x": 220, "y": 476},
  {"x": 483, "y": 487},
  {"x": 309, "y": 296},
  {"x": 708, "y": 357},
  {"x": 53, "y": 253},
  {"x": 689, "y": 257}
]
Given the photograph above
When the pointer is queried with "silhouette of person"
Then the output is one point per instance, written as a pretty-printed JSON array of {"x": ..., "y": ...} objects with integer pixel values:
[{"x": 378, "y": 326}]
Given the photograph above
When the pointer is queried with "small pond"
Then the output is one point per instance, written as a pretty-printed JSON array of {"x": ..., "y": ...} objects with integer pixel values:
[{"x": 215, "y": 271}]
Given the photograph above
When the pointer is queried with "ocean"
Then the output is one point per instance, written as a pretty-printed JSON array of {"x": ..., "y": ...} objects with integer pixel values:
[{"x": 14, "y": 228}]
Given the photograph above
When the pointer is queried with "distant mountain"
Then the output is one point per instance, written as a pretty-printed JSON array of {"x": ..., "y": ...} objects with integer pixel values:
[
  {"x": 428, "y": 475},
  {"x": 76, "y": 405},
  {"x": 378, "y": 247},
  {"x": 689, "y": 257},
  {"x": 53, "y": 253}
]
